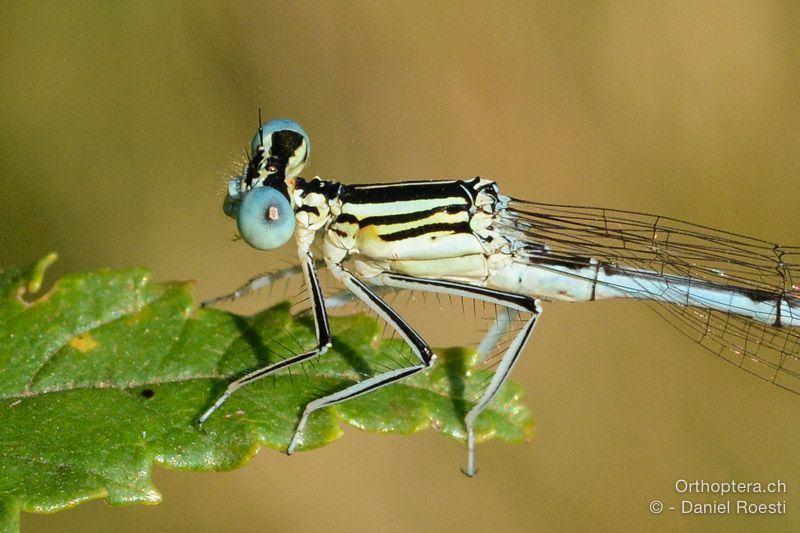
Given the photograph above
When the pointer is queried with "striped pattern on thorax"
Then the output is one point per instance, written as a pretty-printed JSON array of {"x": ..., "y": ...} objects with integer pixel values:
[{"x": 414, "y": 220}]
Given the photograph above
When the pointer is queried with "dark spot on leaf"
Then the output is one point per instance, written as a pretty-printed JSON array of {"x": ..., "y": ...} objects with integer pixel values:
[{"x": 148, "y": 393}]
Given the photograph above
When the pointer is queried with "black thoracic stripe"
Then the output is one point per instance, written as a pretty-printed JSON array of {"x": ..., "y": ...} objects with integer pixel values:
[
  {"x": 413, "y": 216},
  {"x": 456, "y": 227},
  {"x": 310, "y": 209},
  {"x": 347, "y": 218},
  {"x": 402, "y": 192},
  {"x": 329, "y": 189},
  {"x": 469, "y": 187}
]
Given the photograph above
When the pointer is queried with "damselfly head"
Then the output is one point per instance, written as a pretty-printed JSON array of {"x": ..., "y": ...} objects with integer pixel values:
[{"x": 278, "y": 153}]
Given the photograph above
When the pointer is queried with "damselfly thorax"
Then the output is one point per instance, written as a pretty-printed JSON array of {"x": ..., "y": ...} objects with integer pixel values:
[{"x": 733, "y": 294}]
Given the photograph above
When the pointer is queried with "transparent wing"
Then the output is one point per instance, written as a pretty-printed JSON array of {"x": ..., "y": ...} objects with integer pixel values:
[{"x": 677, "y": 249}]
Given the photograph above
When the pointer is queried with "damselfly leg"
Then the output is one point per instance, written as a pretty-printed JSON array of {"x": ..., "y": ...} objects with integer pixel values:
[
  {"x": 514, "y": 302},
  {"x": 256, "y": 283},
  {"x": 323, "y": 335},
  {"x": 385, "y": 311}
]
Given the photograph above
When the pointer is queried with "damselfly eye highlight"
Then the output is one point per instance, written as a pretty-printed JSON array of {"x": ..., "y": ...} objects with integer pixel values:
[
  {"x": 265, "y": 218},
  {"x": 285, "y": 144}
]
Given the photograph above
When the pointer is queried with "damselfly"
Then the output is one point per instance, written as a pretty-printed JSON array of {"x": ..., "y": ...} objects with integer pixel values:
[{"x": 735, "y": 295}]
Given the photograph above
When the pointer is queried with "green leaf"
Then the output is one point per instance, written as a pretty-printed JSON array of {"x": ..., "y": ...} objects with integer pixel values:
[{"x": 107, "y": 373}]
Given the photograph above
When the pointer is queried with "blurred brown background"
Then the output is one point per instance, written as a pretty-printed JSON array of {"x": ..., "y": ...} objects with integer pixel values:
[{"x": 121, "y": 121}]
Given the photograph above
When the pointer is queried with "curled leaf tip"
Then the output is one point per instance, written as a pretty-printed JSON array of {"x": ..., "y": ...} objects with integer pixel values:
[{"x": 37, "y": 273}]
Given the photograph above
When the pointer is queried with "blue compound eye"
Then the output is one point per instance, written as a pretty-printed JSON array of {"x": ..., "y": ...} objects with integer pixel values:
[{"x": 265, "y": 218}]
